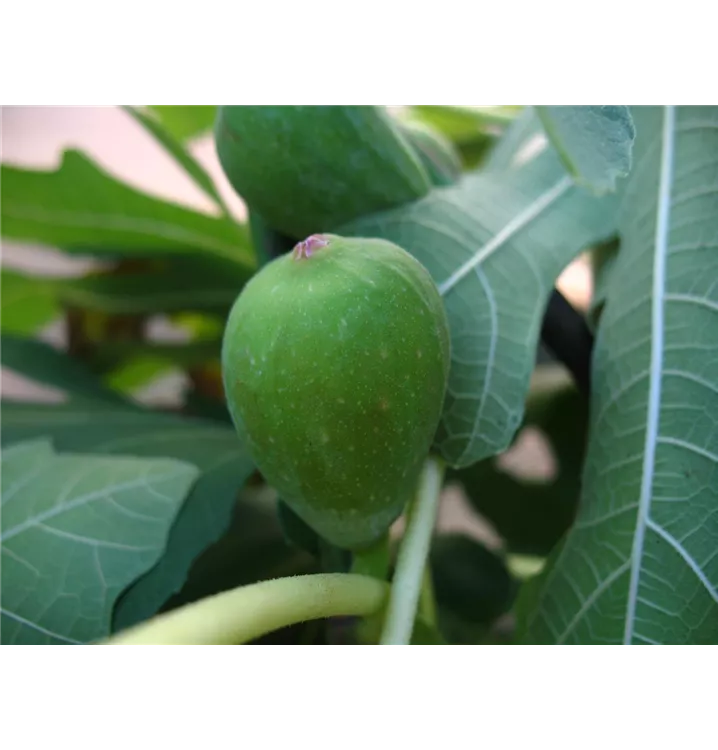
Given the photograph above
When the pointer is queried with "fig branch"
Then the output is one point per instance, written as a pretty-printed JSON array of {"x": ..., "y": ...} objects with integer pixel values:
[
  {"x": 243, "y": 614},
  {"x": 566, "y": 334},
  {"x": 412, "y": 559}
]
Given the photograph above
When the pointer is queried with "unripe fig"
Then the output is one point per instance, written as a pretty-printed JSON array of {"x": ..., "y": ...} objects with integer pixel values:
[
  {"x": 307, "y": 169},
  {"x": 335, "y": 363}
]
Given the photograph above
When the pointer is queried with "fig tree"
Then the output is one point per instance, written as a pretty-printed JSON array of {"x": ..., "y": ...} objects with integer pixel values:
[{"x": 335, "y": 363}]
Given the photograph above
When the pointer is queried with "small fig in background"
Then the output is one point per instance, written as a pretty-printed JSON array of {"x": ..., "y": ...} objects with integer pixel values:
[
  {"x": 307, "y": 169},
  {"x": 335, "y": 363}
]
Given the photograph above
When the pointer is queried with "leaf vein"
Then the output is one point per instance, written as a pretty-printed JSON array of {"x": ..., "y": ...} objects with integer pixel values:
[
  {"x": 688, "y": 559},
  {"x": 37, "y": 627}
]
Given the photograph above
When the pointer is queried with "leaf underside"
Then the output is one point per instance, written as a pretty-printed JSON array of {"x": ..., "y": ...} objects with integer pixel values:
[
  {"x": 595, "y": 143},
  {"x": 77, "y": 530},
  {"x": 641, "y": 564}
]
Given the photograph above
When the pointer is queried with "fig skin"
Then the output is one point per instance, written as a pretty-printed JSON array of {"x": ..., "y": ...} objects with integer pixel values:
[{"x": 335, "y": 363}]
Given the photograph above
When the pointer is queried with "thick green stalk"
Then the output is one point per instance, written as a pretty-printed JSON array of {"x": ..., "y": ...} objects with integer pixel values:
[{"x": 245, "y": 613}]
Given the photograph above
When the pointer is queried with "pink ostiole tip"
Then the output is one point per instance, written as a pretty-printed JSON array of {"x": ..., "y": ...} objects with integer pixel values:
[{"x": 305, "y": 248}]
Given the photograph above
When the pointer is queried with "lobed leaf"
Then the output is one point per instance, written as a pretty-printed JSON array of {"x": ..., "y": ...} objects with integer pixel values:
[
  {"x": 82, "y": 208},
  {"x": 595, "y": 143}
]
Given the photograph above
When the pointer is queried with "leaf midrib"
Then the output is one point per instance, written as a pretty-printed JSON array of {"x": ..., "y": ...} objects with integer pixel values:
[{"x": 660, "y": 252}]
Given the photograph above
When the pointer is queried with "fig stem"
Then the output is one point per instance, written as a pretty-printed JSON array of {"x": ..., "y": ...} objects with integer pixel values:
[
  {"x": 427, "y": 601},
  {"x": 245, "y": 613},
  {"x": 412, "y": 558},
  {"x": 373, "y": 561}
]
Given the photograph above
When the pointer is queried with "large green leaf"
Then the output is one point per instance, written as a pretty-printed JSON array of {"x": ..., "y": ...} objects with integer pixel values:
[
  {"x": 173, "y": 146},
  {"x": 82, "y": 208},
  {"x": 27, "y": 303},
  {"x": 595, "y": 143},
  {"x": 532, "y": 515},
  {"x": 185, "y": 121},
  {"x": 77, "y": 530},
  {"x": 494, "y": 243},
  {"x": 641, "y": 564},
  {"x": 214, "y": 448}
]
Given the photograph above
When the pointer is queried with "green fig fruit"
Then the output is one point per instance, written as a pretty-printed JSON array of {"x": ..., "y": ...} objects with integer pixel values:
[
  {"x": 335, "y": 363},
  {"x": 308, "y": 169}
]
